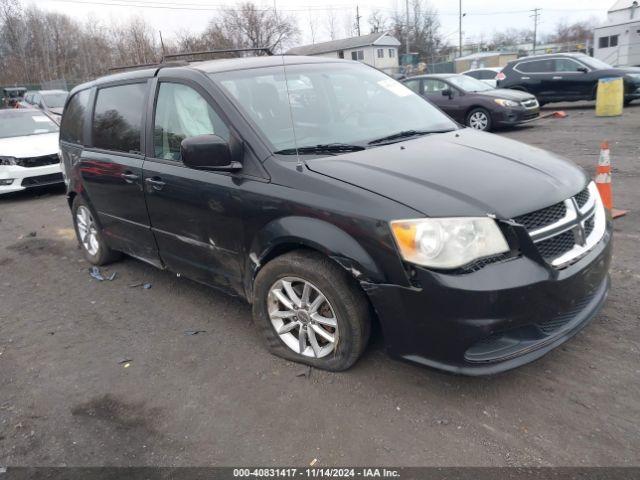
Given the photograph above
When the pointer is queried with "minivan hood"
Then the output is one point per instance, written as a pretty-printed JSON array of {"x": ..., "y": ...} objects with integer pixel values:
[
  {"x": 30, "y": 145},
  {"x": 459, "y": 173},
  {"x": 506, "y": 93}
]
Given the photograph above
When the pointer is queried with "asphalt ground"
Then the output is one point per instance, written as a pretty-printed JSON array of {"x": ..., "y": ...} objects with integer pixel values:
[{"x": 102, "y": 373}]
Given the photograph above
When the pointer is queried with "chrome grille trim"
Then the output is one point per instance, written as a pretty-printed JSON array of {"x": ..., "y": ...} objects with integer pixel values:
[
  {"x": 587, "y": 224},
  {"x": 530, "y": 104}
]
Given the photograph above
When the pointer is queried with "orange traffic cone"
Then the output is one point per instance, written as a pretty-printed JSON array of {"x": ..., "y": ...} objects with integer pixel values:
[{"x": 603, "y": 180}]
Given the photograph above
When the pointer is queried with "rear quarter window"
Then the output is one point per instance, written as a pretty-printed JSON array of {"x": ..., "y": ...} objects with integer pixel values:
[
  {"x": 117, "y": 117},
  {"x": 71, "y": 127}
]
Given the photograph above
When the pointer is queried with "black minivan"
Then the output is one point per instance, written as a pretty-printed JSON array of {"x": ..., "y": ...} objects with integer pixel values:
[{"x": 330, "y": 197}]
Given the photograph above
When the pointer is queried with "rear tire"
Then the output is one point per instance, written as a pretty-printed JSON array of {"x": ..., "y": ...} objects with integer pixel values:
[
  {"x": 344, "y": 314},
  {"x": 479, "y": 119},
  {"x": 89, "y": 236}
]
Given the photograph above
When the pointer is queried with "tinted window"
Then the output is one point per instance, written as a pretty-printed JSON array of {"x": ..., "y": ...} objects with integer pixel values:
[
  {"x": 118, "y": 117},
  {"x": 487, "y": 75},
  {"x": 434, "y": 86},
  {"x": 181, "y": 112},
  {"x": 474, "y": 74},
  {"x": 71, "y": 128},
  {"x": 537, "y": 66},
  {"x": 413, "y": 85},
  {"x": 567, "y": 65}
]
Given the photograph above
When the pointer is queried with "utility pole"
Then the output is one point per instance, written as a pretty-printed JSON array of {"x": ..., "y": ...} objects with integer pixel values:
[
  {"x": 460, "y": 29},
  {"x": 358, "y": 17},
  {"x": 161, "y": 44},
  {"x": 536, "y": 20},
  {"x": 407, "y": 26}
]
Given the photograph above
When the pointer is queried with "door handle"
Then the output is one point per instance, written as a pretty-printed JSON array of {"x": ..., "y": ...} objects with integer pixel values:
[
  {"x": 129, "y": 177},
  {"x": 155, "y": 183},
  {"x": 557, "y": 77}
]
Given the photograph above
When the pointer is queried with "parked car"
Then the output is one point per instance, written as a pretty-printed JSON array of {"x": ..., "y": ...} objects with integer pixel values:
[
  {"x": 474, "y": 103},
  {"x": 486, "y": 75},
  {"x": 566, "y": 77},
  {"x": 11, "y": 96},
  {"x": 360, "y": 202},
  {"x": 50, "y": 101},
  {"x": 28, "y": 150}
]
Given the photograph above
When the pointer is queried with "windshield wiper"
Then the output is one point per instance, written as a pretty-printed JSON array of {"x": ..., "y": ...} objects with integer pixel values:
[
  {"x": 322, "y": 148},
  {"x": 404, "y": 134}
]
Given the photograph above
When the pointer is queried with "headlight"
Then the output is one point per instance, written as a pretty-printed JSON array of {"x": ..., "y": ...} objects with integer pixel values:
[
  {"x": 448, "y": 242},
  {"x": 503, "y": 102},
  {"x": 7, "y": 161}
]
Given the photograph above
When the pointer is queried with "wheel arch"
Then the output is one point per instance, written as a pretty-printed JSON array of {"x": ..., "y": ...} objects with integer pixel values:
[{"x": 292, "y": 233}]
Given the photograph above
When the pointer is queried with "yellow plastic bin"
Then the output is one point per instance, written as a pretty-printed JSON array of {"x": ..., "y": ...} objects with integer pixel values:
[{"x": 610, "y": 97}]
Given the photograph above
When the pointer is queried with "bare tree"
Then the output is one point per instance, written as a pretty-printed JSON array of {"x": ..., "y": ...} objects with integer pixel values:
[
  {"x": 378, "y": 22},
  {"x": 423, "y": 29},
  {"x": 331, "y": 23},
  {"x": 577, "y": 32}
]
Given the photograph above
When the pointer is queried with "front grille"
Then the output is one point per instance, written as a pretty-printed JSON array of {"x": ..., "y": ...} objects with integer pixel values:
[
  {"x": 556, "y": 246},
  {"x": 560, "y": 320},
  {"x": 582, "y": 198},
  {"x": 42, "y": 180},
  {"x": 38, "y": 161},
  {"x": 481, "y": 263},
  {"x": 542, "y": 218},
  {"x": 533, "y": 103}
]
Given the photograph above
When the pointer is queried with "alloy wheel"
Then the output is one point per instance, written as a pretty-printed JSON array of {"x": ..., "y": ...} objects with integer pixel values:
[
  {"x": 302, "y": 317},
  {"x": 478, "y": 120},
  {"x": 87, "y": 230}
]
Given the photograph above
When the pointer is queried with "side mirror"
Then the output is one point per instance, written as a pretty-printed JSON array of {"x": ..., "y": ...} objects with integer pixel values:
[
  {"x": 208, "y": 152},
  {"x": 447, "y": 93},
  {"x": 582, "y": 69}
]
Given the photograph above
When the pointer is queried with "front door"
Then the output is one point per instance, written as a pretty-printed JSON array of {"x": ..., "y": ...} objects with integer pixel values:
[
  {"x": 195, "y": 215},
  {"x": 434, "y": 89},
  {"x": 111, "y": 170}
]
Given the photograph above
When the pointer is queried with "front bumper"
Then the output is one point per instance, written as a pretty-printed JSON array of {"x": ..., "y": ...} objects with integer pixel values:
[
  {"x": 514, "y": 116},
  {"x": 28, "y": 177},
  {"x": 494, "y": 319}
]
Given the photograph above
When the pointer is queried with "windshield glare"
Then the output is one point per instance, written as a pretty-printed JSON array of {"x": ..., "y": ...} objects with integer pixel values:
[
  {"x": 54, "y": 100},
  {"x": 20, "y": 123},
  {"x": 329, "y": 103},
  {"x": 469, "y": 84}
]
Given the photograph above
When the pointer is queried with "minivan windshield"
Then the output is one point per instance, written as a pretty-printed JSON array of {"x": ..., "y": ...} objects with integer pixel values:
[
  {"x": 469, "y": 84},
  {"x": 330, "y": 107},
  {"x": 20, "y": 123}
]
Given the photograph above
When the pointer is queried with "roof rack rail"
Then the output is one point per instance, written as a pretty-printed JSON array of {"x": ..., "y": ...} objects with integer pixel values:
[
  {"x": 173, "y": 59},
  {"x": 267, "y": 50}
]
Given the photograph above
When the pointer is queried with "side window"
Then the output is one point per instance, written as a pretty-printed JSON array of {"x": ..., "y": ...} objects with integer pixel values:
[
  {"x": 181, "y": 112},
  {"x": 381, "y": 53},
  {"x": 117, "y": 118},
  {"x": 538, "y": 66},
  {"x": 357, "y": 55},
  {"x": 392, "y": 53},
  {"x": 613, "y": 41},
  {"x": 487, "y": 75},
  {"x": 413, "y": 85},
  {"x": 71, "y": 127},
  {"x": 432, "y": 86},
  {"x": 566, "y": 65},
  {"x": 475, "y": 74}
]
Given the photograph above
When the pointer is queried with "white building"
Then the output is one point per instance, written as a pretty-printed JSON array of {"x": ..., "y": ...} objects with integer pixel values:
[
  {"x": 379, "y": 50},
  {"x": 617, "y": 42}
]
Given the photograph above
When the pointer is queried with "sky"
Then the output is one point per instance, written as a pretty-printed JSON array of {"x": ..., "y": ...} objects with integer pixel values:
[{"x": 482, "y": 17}]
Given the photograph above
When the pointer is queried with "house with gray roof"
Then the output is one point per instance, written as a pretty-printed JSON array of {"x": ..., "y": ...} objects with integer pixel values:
[{"x": 379, "y": 50}]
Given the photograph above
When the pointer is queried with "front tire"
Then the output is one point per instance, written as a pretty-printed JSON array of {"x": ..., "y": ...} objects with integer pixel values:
[
  {"x": 479, "y": 119},
  {"x": 90, "y": 238},
  {"x": 310, "y": 311}
]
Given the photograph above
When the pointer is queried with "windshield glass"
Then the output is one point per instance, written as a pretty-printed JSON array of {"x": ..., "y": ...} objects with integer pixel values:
[
  {"x": 329, "y": 103},
  {"x": 594, "y": 62},
  {"x": 18, "y": 123},
  {"x": 54, "y": 100},
  {"x": 469, "y": 84}
]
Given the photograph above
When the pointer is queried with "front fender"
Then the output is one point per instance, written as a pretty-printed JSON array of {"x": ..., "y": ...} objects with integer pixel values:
[{"x": 288, "y": 233}]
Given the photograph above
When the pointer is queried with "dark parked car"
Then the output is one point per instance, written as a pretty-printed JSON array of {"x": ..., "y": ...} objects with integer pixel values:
[
  {"x": 330, "y": 196},
  {"x": 474, "y": 103},
  {"x": 565, "y": 77}
]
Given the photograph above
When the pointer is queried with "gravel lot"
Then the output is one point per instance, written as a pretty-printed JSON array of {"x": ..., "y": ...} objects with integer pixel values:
[{"x": 219, "y": 398}]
